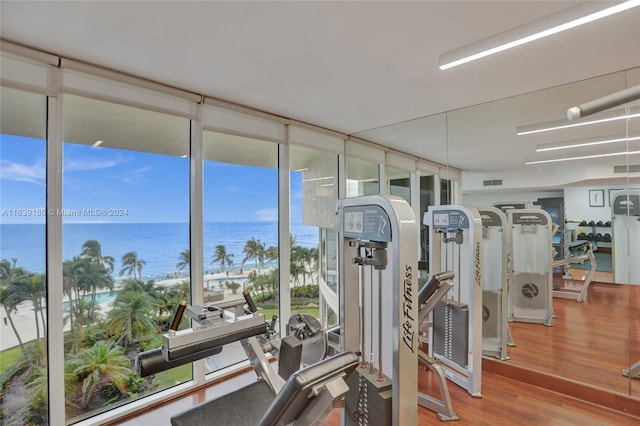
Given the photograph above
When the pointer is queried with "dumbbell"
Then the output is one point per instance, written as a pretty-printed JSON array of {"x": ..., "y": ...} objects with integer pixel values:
[{"x": 606, "y": 238}]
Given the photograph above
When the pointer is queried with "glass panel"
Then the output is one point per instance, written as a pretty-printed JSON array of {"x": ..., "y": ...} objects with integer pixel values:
[
  {"x": 240, "y": 231},
  {"x": 399, "y": 183},
  {"x": 23, "y": 292},
  {"x": 427, "y": 198},
  {"x": 314, "y": 193},
  {"x": 363, "y": 177},
  {"x": 583, "y": 178},
  {"x": 446, "y": 192},
  {"x": 125, "y": 248}
]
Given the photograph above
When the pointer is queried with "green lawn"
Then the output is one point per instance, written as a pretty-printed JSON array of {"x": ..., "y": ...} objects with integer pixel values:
[{"x": 9, "y": 357}]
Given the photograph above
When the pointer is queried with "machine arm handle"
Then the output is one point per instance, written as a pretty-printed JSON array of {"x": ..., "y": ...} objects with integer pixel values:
[
  {"x": 250, "y": 302},
  {"x": 178, "y": 316}
]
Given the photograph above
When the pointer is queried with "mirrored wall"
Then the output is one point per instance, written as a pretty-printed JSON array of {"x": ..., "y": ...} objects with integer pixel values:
[{"x": 517, "y": 150}]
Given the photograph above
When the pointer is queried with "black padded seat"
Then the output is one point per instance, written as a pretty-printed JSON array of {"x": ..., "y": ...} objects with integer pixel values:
[
  {"x": 239, "y": 408},
  {"x": 294, "y": 396},
  {"x": 430, "y": 287},
  {"x": 255, "y": 404}
]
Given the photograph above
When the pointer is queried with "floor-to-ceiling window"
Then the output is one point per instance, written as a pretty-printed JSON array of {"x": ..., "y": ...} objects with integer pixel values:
[
  {"x": 314, "y": 193},
  {"x": 23, "y": 292},
  {"x": 125, "y": 247},
  {"x": 240, "y": 228},
  {"x": 126, "y": 241}
]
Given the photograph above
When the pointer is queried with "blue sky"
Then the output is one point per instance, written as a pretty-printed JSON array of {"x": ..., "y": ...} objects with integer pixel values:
[{"x": 142, "y": 187}]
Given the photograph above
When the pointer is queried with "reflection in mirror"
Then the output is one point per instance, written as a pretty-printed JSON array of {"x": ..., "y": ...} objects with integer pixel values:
[
  {"x": 575, "y": 175},
  {"x": 362, "y": 177},
  {"x": 399, "y": 183}
]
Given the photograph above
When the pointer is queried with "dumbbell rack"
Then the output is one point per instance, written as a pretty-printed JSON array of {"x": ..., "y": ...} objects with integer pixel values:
[{"x": 594, "y": 240}]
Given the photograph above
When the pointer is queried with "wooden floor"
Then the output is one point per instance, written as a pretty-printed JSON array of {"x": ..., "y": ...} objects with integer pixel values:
[
  {"x": 589, "y": 344},
  {"x": 504, "y": 402}
]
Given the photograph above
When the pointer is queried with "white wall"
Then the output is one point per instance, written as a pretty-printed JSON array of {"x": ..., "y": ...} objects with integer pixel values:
[
  {"x": 481, "y": 199},
  {"x": 576, "y": 203}
]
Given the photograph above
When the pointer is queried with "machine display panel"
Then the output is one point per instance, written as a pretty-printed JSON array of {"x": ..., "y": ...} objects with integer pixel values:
[
  {"x": 367, "y": 223},
  {"x": 450, "y": 219}
]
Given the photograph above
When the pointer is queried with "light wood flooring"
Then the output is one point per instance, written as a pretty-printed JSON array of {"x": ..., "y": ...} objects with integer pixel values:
[{"x": 550, "y": 371}]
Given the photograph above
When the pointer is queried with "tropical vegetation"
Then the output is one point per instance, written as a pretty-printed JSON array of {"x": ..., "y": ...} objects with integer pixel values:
[{"x": 100, "y": 346}]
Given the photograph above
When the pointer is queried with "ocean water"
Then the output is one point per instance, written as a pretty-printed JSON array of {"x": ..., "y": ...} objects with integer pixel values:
[{"x": 158, "y": 244}]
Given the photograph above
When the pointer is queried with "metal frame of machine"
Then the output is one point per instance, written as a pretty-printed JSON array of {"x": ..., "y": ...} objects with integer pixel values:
[
  {"x": 495, "y": 327},
  {"x": 368, "y": 227},
  {"x": 455, "y": 339},
  {"x": 531, "y": 273},
  {"x": 626, "y": 236}
]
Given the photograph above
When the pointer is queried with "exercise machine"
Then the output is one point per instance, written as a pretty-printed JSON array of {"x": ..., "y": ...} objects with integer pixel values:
[
  {"x": 378, "y": 291},
  {"x": 567, "y": 292},
  {"x": 633, "y": 371},
  {"x": 531, "y": 272},
  {"x": 455, "y": 339},
  {"x": 305, "y": 398},
  {"x": 495, "y": 328},
  {"x": 626, "y": 237},
  {"x": 430, "y": 295}
]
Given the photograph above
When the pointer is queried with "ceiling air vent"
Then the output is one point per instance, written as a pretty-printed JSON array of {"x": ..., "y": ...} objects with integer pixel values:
[
  {"x": 634, "y": 168},
  {"x": 494, "y": 182}
]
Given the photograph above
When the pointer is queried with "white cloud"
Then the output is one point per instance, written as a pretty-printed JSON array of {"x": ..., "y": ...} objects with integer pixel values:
[
  {"x": 132, "y": 176},
  {"x": 267, "y": 215},
  {"x": 87, "y": 163},
  {"x": 34, "y": 173}
]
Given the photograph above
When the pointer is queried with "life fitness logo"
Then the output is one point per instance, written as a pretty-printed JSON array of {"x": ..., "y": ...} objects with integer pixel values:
[{"x": 530, "y": 290}]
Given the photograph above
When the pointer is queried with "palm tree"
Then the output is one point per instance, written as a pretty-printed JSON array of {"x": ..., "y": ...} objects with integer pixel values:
[
  {"x": 299, "y": 256},
  {"x": 131, "y": 319},
  {"x": 82, "y": 278},
  {"x": 100, "y": 363},
  {"x": 32, "y": 287},
  {"x": 91, "y": 250},
  {"x": 185, "y": 260},
  {"x": 132, "y": 265},
  {"x": 222, "y": 256},
  {"x": 271, "y": 254},
  {"x": 9, "y": 297},
  {"x": 254, "y": 249}
]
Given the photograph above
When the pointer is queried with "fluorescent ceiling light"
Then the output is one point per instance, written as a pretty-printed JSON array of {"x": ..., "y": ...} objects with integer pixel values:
[
  {"x": 318, "y": 178},
  {"x": 562, "y": 21},
  {"x": 584, "y": 142},
  {"x": 565, "y": 124},
  {"x": 583, "y": 157}
]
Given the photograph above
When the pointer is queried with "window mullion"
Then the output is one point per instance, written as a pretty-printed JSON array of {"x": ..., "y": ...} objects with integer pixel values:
[{"x": 55, "y": 333}]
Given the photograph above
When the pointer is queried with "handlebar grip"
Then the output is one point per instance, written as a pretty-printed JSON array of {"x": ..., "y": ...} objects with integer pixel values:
[
  {"x": 272, "y": 326},
  {"x": 178, "y": 316},
  {"x": 249, "y": 300}
]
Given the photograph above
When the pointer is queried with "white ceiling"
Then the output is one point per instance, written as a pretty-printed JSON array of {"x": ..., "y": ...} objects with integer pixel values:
[{"x": 355, "y": 67}]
